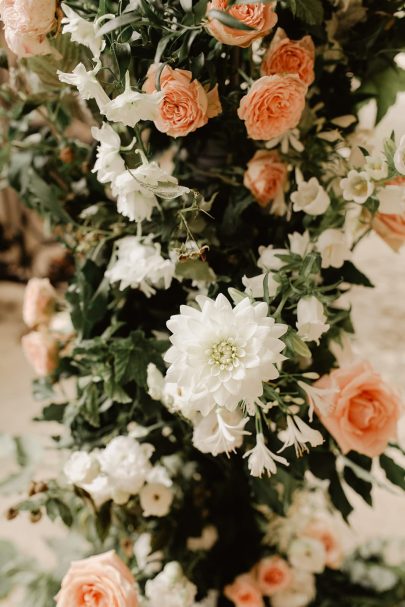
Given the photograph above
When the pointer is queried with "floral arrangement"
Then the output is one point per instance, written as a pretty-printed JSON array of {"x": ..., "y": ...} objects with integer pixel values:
[{"x": 200, "y": 163}]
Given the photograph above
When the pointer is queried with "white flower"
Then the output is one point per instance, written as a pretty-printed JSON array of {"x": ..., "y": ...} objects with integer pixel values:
[
  {"x": 334, "y": 248},
  {"x": 178, "y": 399},
  {"x": 170, "y": 588},
  {"x": 310, "y": 197},
  {"x": 159, "y": 474},
  {"x": 82, "y": 31},
  {"x": 86, "y": 83},
  {"x": 300, "y": 244},
  {"x": 376, "y": 167},
  {"x": 99, "y": 489},
  {"x": 220, "y": 432},
  {"x": 319, "y": 398},
  {"x": 298, "y": 433},
  {"x": 81, "y": 468},
  {"x": 223, "y": 354},
  {"x": 262, "y": 460},
  {"x": 268, "y": 259},
  {"x": 254, "y": 286},
  {"x": 311, "y": 319},
  {"x": 61, "y": 323},
  {"x": 156, "y": 499},
  {"x": 307, "y": 554},
  {"x": 357, "y": 186},
  {"x": 138, "y": 264},
  {"x": 372, "y": 576},
  {"x": 147, "y": 561},
  {"x": 290, "y": 138},
  {"x": 399, "y": 156},
  {"x": 155, "y": 382},
  {"x": 206, "y": 541},
  {"x": 299, "y": 593},
  {"x": 131, "y": 106},
  {"x": 109, "y": 163},
  {"x": 126, "y": 462},
  {"x": 392, "y": 199}
]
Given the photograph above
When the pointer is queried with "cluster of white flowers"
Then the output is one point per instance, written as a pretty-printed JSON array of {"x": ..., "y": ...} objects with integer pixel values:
[
  {"x": 137, "y": 263},
  {"x": 120, "y": 470}
]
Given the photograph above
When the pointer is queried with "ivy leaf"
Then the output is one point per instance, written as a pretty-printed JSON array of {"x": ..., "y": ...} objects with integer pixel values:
[
  {"x": 310, "y": 11},
  {"x": 394, "y": 473}
]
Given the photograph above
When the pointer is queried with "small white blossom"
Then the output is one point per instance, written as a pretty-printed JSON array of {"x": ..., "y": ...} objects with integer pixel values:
[
  {"x": 298, "y": 433},
  {"x": 170, "y": 588},
  {"x": 290, "y": 138},
  {"x": 376, "y": 167},
  {"x": 138, "y": 264},
  {"x": 206, "y": 541},
  {"x": 109, "y": 163},
  {"x": 300, "y": 244},
  {"x": 147, "y": 561},
  {"x": 223, "y": 354},
  {"x": 261, "y": 460},
  {"x": 220, "y": 432},
  {"x": 254, "y": 286},
  {"x": 131, "y": 106},
  {"x": 310, "y": 197},
  {"x": 299, "y": 593},
  {"x": 99, "y": 489},
  {"x": 82, "y": 31},
  {"x": 357, "y": 186},
  {"x": 155, "y": 382},
  {"x": 399, "y": 156},
  {"x": 81, "y": 468},
  {"x": 311, "y": 319},
  {"x": 156, "y": 499},
  {"x": 86, "y": 83},
  {"x": 268, "y": 258},
  {"x": 318, "y": 398},
  {"x": 307, "y": 554},
  {"x": 334, "y": 248}
]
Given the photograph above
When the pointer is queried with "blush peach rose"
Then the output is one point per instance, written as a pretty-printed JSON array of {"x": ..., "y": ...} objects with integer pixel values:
[
  {"x": 285, "y": 56},
  {"x": 323, "y": 532},
  {"x": 273, "y": 105},
  {"x": 186, "y": 104},
  {"x": 244, "y": 592},
  {"x": 41, "y": 349},
  {"x": 26, "y": 24},
  {"x": 364, "y": 410},
  {"x": 257, "y": 15},
  {"x": 391, "y": 228},
  {"x": 100, "y": 581},
  {"x": 273, "y": 574},
  {"x": 265, "y": 176},
  {"x": 39, "y": 302}
]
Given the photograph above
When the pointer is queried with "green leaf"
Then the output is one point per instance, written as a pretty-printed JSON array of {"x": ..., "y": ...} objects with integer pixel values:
[
  {"x": 120, "y": 21},
  {"x": 195, "y": 270},
  {"x": 228, "y": 20},
  {"x": 310, "y": 11},
  {"x": 360, "y": 486},
  {"x": 103, "y": 521},
  {"x": 394, "y": 473},
  {"x": 55, "y": 508},
  {"x": 384, "y": 82},
  {"x": 296, "y": 345},
  {"x": 338, "y": 496}
]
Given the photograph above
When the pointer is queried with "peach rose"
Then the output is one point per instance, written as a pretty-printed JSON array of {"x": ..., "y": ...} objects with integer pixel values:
[
  {"x": 364, "y": 411},
  {"x": 285, "y": 56},
  {"x": 39, "y": 302},
  {"x": 186, "y": 104},
  {"x": 257, "y": 15},
  {"x": 42, "y": 351},
  {"x": 265, "y": 176},
  {"x": 273, "y": 574},
  {"x": 26, "y": 23},
  {"x": 323, "y": 532},
  {"x": 244, "y": 592},
  {"x": 391, "y": 228},
  {"x": 100, "y": 581},
  {"x": 273, "y": 105}
]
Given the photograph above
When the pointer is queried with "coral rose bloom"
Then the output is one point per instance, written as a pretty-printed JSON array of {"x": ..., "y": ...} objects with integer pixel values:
[
  {"x": 244, "y": 592},
  {"x": 364, "y": 411},
  {"x": 26, "y": 24},
  {"x": 265, "y": 176},
  {"x": 42, "y": 351},
  {"x": 391, "y": 228},
  {"x": 39, "y": 302},
  {"x": 285, "y": 56},
  {"x": 324, "y": 533},
  {"x": 273, "y": 575},
  {"x": 257, "y": 15},
  {"x": 99, "y": 581},
  {"x": 273, "y": 105},
  {"x": 186, "y": 104}
]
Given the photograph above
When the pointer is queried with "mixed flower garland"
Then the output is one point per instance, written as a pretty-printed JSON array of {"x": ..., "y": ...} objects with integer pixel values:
[{"x": 212, "y": 225}]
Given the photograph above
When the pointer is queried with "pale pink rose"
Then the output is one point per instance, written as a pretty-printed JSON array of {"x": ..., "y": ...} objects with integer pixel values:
[
  {"x": 244, "y": 592},
  {"x": 273, "y": 105},
  {"x": 186, "y": 104},
  {"x": 257, "y": 15},
  {"x": 265, "y": 176},
  {"x": 285, "y": 56},
  {"x": 99, "y": 581},
  {"x": 322, "y": 531},
  {"x": 41, "y": 349},
  {"x": 273, "y": 574},
  {"x": 364, "y": 410},
  {"x": 39, "y": 302},
  {"x": 26, "y": 23}
]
